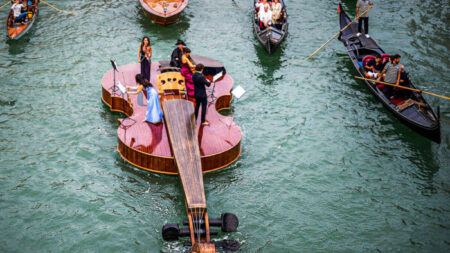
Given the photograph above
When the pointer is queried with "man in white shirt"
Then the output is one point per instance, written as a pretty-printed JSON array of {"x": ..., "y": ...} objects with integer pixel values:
[
  {"x": 265, "y": 19},
  {"x": 362, "y": 6},
  {"x": 17, "y": 8}
]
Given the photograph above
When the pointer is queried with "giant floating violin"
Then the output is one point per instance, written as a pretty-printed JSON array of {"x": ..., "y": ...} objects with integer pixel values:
[{"x": 179, "y": 145}]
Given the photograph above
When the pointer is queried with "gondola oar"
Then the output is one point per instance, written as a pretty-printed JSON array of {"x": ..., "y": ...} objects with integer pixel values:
[
  {"x": 332, "y": 38},
  {"x": 402, "y": 87},
  {"x": 69, "y": 12},
  {"x": 5, "y": 4}
]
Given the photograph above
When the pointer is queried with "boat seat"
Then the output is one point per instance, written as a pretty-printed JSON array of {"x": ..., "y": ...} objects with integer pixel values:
[
  {"x": 380, "y": 87},
  {"x": 385, "y": 58},
  {"x": 367, "y": 58}
]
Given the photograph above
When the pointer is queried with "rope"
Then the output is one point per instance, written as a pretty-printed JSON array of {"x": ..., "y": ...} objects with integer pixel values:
[
  {"x": 4, "y": 4},
  {"x": 332, "y": 38},
  {"x": 59, "y": 10}
]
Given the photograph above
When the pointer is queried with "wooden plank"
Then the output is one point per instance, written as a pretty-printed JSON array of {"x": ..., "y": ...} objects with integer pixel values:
[{"x": 181, "y": 126}]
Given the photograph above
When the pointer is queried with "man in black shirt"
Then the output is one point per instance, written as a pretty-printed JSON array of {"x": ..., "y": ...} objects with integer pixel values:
[
  {"x": 375, "y": 65},
  {"x": 200, "y": 92},
  {"x": 175, "y": 59}
]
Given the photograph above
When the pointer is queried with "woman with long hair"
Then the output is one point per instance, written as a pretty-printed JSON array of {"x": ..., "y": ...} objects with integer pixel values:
[
  {"x": 145, "y": 57},
  {"x": 154, "y": 113},
  {"x": 187, "y": 69}
]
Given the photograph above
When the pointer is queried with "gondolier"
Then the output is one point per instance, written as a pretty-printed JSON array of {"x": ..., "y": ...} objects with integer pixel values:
[{"x": 362, "y": 6}]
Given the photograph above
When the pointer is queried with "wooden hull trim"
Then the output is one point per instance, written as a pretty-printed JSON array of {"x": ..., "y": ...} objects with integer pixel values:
[
  {"x": 234, "y": 152},
  {"x": 162, "y": 20},
  {"x": 176, "y": 173}
]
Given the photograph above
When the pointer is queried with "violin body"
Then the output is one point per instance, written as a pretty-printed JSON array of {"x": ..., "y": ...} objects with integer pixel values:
[{"x": 147, "y": 146}]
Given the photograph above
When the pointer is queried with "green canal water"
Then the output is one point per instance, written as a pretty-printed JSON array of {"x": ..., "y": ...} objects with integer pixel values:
[{"x": 324, "y": 167}]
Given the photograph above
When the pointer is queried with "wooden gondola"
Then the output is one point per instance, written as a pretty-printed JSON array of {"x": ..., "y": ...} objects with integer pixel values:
[
  {"x": 17, "y": 30},
  {"x": 409, "y": 107},
  {"x": 271, "y": 37},
  {"x": 180, "y": 145},
  {"x": 163, "y": 12}
]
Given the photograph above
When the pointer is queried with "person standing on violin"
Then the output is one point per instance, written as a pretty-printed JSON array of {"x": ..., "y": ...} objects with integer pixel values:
[
  {"x": 187, "y": 69},
  {"x": 145, "y": 57},
  {"x": 200, "y": 92},
  {"x": 175, "y": 59},
  {"x": 154, "y": 113}
]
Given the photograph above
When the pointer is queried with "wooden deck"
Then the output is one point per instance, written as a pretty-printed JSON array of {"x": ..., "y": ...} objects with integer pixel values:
[{"x": 147, "y": 146}]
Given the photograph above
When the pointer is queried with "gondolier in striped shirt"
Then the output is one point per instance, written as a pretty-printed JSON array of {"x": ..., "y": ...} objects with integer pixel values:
[{"x": 362, "y": 6}]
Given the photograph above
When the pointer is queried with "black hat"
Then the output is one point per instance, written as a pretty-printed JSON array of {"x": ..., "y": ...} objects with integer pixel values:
[{"x": 180, "y": 42}]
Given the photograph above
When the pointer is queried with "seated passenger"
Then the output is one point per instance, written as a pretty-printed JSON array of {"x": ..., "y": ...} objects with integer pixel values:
[
  {"x": 265, "y": 19},
  {"x": 404, "y": 81},
  {"x": 32, "y": 5},
  {"x": 391, "y": 74},
  {"x": 276, "y": 12},
  {"x": 404, "y": 76},
  {"x": 374, "y": 67},
  {"x": 10, "y": 21},
  {"x": 17, "y": 8},
  {"x": 260, "y": 6}
]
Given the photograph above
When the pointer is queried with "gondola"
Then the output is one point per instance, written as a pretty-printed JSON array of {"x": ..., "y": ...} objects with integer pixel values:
[
  {"x": 163, "y": 12},
  {"x": 271, "y": 37},
  {"x": 16, "y": 30},
  {"x": 409, "y": 107}
]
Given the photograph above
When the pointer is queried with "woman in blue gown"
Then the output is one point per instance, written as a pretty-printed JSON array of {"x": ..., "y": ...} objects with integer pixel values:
[{"x": 154, "y": 113}]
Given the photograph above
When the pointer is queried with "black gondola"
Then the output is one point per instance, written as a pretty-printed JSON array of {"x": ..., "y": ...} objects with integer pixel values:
[
  {"x": 409, "y": 106},
  {"x": 271, "y": 37}
]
